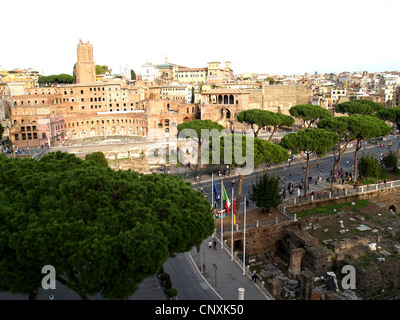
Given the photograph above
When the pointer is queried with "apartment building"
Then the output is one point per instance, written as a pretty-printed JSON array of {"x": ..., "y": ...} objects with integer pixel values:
[{"x": 192, "y": 75}]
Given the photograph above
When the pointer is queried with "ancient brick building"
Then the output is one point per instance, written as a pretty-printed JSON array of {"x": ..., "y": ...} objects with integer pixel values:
[{"x": 85, "y": 67}]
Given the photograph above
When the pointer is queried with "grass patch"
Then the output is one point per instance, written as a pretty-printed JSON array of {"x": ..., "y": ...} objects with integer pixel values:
[{"x": 332, "y": 209}]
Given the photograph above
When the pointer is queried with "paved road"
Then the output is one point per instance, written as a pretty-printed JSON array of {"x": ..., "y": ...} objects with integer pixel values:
[{"x": 187, "y": 280}]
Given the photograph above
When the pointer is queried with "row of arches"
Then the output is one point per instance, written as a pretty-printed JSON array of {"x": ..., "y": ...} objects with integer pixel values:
[
  {"x": 222, "y": 99},
  {"x": 106, "y": 131}
]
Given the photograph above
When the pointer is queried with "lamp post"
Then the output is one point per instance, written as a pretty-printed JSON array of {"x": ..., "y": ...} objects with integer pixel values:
[{"x": 215, "y": 267}]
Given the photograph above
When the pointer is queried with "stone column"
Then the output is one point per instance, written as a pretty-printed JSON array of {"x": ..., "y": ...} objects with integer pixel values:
[
  {"x": 276, "y": 288},
  {"x": 295, "y": 261},
  {"x": 306, "y": 284}
]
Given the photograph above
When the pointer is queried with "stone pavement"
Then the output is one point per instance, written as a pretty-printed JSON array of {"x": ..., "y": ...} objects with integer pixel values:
[{"x": 227, "y": 277}]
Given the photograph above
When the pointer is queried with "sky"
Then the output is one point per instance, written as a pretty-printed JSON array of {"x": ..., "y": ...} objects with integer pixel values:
[{"x": 257, "y": 36}]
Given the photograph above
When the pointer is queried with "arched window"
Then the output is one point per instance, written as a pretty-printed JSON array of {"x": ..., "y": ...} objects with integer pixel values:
[{"x": 231, "y": 99}]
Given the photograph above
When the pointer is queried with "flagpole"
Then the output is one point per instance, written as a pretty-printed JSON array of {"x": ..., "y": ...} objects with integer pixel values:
[
  {"x": 222, "y": 219},
  {"x": 244, "y": 238},
  {"x": 212, "y": 191},
  {"x": 232, "y": 213}
]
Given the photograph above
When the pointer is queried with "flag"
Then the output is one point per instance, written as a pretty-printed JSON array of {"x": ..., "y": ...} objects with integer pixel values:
[
  {"x": 225, "y": 198},
  {"x": 234, "y": 208},
  {"x": 215, "y": 191}
]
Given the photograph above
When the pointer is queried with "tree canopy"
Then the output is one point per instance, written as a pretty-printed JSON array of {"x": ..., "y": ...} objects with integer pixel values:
[
  {"x": 308, "y": 142},
  {"x": 309, "y": 113},
  {"x": 98, "y": 157},
  {"x": 197, "y": 126},
  {"x": 265, "y": 192},
  {"x": 133, "y": 75},
  {"x": 264, "y": 118},
  {"x": 364, "y": 128},
  {"x": 362, "y": 107},
  {"x": 102, "y": 69},
  {"x": 56, "y": 78},
  {"x": 340, "y": 126},
  {"x": 104, "y": 231},
  {"x": 392, "y": 115}
]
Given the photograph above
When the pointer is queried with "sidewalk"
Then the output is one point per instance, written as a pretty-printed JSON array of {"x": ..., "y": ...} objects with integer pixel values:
[{"x": 228, "y": 277}]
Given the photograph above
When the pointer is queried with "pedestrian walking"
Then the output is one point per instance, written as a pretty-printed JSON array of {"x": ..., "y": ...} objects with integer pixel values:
[
  {"x": 253, "y": 274},
  {"x": 215, "y": 244},
  {"x": 210, "y": 244},
  {"x": 255, "y": 277}
]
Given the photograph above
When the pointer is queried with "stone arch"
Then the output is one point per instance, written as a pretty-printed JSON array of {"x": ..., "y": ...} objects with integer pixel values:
[
  {"x": 122, "y": 131},
  {"x": 186, "y": 119},
  {"x": 228, "y": 114},
  {"x": 113, "y": 130},
  {"x": 231, "y": 99},
  {"x": 92, "y": 132},
  {"x": 83, "y": 134},
  {"x": 220, "y": 99},
  {"x": 393, "y": 208},
  {"x": 226, "y": 99}
]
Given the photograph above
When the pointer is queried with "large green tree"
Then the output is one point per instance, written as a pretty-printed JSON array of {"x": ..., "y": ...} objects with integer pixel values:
[
  {"x": 362, "y": 107},
  {"x": 308, "y": 143},
  {"x": 102, "y": 69},
  {"x": 98, "y": 157},
  {"x": 197, "y": 130},
  {"x": 265, "y": 192},
  {"x": 133, "y": 75},
  {"x": 340, "y": 126},
  {"x": 309, "y": 114},
  {"x": 364, "y": 128},
  {"x": 56, "y": 78},
  {"x": 245, "y": 153},
  {"x": 392, "y": 115},
  {"x": 259, "y": 119},
  {"x": 104, "y": 231}
]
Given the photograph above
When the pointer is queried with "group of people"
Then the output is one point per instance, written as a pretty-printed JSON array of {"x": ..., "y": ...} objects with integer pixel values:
[{"x": 212, "y": 244}]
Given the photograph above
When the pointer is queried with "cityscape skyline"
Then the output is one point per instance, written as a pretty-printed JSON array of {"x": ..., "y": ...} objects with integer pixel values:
[{"x": 262, "y": 37}]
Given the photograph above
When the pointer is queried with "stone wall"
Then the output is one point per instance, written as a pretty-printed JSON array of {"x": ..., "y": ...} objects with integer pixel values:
[
  {"x": 262, "y": 240},
  {"x": 280, "y": 98}
]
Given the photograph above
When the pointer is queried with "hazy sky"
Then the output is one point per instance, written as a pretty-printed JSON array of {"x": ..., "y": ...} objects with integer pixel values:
[{"x": 260, "y": 36}]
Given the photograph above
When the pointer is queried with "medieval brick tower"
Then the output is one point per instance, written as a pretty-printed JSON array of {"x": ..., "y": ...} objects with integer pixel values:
[{"x": 85, "y": 67}]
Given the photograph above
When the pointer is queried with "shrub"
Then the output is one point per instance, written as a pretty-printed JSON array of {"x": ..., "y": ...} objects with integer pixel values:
[
  {"x": 172, "y": 292},
  {"x": 265, "y": 192},
  {"x": 168, "y": 283},
  {"x": 369, "y": 166},
  {"x": 390, "y": 161},
  {"x": 166, "y": 280},
  {"x": 164, "y": 276}
]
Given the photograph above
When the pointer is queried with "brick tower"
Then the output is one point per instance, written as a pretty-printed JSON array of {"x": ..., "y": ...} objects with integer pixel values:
[{"x": 85, "y": 67}]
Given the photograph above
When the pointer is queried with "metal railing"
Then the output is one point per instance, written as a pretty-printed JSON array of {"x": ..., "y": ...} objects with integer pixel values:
[{"x": 342, "y": 192}]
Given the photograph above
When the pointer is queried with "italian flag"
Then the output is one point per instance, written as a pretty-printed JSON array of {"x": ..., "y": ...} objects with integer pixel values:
[
  {"x": 234, "y": 208},
  {"x": 225, "y": 198}
]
